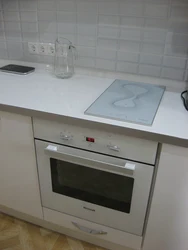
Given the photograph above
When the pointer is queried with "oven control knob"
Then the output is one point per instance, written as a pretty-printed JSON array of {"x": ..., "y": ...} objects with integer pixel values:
[
  {"x": 114, "y": 148},
  {"x": 66, "y": 137}
]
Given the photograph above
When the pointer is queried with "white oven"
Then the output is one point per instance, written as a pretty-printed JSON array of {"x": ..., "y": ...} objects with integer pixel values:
[
  {"x": 103, "y": 187},
  {"x": 104, "y": 178}
]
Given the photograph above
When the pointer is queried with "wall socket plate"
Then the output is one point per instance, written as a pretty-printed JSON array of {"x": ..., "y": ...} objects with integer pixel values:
[
  {"x": 51, "y": 49},
  {"x": 41, "y": 48},
  {"x": 33, "y": 48}
]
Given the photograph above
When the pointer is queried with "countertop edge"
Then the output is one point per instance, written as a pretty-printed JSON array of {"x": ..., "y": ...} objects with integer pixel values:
[{"x": 97, "y": 125}]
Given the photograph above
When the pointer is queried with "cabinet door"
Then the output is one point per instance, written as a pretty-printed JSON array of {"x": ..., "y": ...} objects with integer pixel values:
[
  {"x": 19, "y": 187},
  {"x": 168, "y": 220}
]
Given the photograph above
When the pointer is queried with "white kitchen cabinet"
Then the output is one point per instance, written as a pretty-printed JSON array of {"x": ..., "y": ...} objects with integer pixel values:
[
  {"x": 19, "y": 187},
  {"x": 168, "y": 220}
]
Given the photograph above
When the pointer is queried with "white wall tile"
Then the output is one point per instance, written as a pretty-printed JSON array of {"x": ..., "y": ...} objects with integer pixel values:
[
  {"x": 46, "y": 5},
  {"x": 129, "y": 45},
  {"x": 86, "y": 51},
  {"x": 3, "y": 50},
  {"x": 185, "y": 76},
  {"x": 11, "y": 16},
  {"x": 153, "y": 48},
  {"x": 1, "y": 23},
  {"x": 132, "y": 22},
  {"x": 2, "y": 35},
  {"x": 132, "y": 9},
  {"x": 87, "y": 23},
  {"x": 87, "y": 6},
  {"x": 105, "y": 64},
  {"x": 179, "y": 27},
  {"x": 178, "y": 51},
  {"x": 130, "y": 34},
  {"x": 13, "y": 35},
  {"x": 12, "y": 26},
  {"x": 159, "y": 1},
  {"x": 30, "y": 36},
  {"x": 89, "y": 41},
  {"x": 172, "y": 73},
  {"x": 127, "y": 56},
  {"x": 9, "y": 5},
  {"x": 66, "y": 28},
  {"x": 154, "y": 35},
  {"x": 86, "y": 29},
  {"x": 1, "y": 19},
  {"x": 28, "y": 16},
  {"x": 127, "y": 67},
  {"x": 106, "y": 53},
  {"x": 149, "y": 70},
  {"x": 28, "y": 5},
  {"x": 15, "y": 50},
  {"x": 109, "y": 8},
  {"x": 66, "y": 17},
  {"x": 109, "y": 20},
  {"x": 86, "y": 17},
  {"x": 29, "y": 27},
  {"x": 66, "y": 5},
  {"x": 47, "y": 27},
  {"x": 86, "y": 62},
  {"x": 156, "y": 10},
  {"x": 179, "y": 11},
  {"x": 107, "y": 43},
  {"x": 176, "y": 62},
  {"x": 45, "y": 59},
  {"x": 156, "y": 23},
  {"x": 47, "y": 37},
  {"x": 70, "y": 37},
  {"x": 150, "y": 59},
  {"x": 177, "y": 39},
  {"x": 108, "y": 32},
  {"x": 47, "y": 15}
]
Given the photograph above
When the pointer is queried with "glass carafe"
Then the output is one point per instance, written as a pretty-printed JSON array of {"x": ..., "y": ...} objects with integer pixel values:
[{"x": 65, "y": 53}]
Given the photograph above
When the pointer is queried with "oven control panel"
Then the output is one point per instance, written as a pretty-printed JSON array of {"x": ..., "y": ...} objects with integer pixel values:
[
  {"x": 91, "y": 141},
  {"x": 96, "y": 140}
]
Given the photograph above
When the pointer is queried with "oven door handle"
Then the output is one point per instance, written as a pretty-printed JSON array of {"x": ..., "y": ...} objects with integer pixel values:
[{"x": 93, "y": 160}]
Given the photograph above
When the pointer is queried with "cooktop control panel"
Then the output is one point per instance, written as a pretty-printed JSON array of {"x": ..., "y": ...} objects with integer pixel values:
[{"x": 96, "y": 140}]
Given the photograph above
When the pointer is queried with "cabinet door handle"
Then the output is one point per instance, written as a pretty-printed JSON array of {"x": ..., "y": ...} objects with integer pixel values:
[{"x": 89, "y": 230}]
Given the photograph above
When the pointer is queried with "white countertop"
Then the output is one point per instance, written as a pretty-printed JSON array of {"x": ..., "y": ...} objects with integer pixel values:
[{"x": 42, "y": 92}]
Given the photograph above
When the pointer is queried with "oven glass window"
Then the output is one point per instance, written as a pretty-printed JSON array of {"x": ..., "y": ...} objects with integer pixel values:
[{"x": 91, "y": 185}]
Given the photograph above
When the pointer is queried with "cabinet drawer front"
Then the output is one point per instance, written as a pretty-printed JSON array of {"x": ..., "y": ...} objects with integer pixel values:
[{"x": 93, "y": 229}]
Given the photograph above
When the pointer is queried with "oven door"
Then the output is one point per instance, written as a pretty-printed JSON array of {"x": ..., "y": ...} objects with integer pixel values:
[{"x": 103, "y": 189}]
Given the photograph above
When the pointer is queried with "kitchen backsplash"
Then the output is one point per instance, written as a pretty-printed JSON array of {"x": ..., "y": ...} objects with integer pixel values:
[{"x": 146, "y": 37}]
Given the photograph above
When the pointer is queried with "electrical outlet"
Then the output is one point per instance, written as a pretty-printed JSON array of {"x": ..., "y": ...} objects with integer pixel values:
[
  {"x": 51, "y": 49},
  {"x": 43, "y": 49},
  {"x": 33, "y": 48}
]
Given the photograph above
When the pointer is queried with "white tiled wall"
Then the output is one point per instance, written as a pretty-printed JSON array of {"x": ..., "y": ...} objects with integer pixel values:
[{"x": 146, "y": 37}]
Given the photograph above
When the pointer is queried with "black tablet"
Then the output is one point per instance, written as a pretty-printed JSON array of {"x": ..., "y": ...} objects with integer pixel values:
[{"x": 17, "y": 69}]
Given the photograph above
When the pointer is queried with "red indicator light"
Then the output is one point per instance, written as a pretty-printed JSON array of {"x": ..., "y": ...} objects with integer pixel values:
[{"x": 89, "y": 139}]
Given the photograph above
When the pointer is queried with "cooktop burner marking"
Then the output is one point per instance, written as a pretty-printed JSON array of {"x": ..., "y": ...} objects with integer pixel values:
[{"x": 135, "y": 91}]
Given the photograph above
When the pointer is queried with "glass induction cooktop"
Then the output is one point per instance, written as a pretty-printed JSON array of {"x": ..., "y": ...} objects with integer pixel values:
[{"x": 128, "y": 101}]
